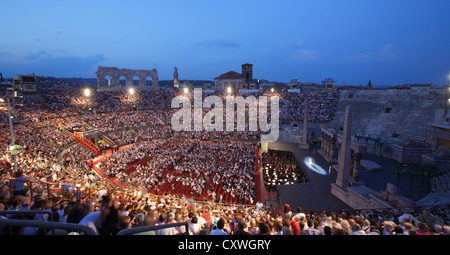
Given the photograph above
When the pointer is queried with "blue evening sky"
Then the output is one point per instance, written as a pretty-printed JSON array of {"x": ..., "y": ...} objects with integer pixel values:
[{"x": 388, "y": 42}]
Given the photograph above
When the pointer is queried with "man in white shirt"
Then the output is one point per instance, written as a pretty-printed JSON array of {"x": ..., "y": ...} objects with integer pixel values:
[{"x": 407, "y": 216}]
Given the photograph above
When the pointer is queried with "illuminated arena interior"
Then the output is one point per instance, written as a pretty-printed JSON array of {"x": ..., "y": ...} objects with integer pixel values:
[{"x": 80, "y": 145}]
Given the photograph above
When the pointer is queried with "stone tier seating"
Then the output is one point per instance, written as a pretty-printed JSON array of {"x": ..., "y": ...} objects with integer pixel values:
[{"x": 390, "y": 115}]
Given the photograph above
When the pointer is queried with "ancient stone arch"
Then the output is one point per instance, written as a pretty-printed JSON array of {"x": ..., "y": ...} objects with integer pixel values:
[{"x": 115, "y": 74}]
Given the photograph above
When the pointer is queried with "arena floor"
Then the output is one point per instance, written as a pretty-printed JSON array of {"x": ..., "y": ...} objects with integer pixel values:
[{"x": 315, "y": 194}]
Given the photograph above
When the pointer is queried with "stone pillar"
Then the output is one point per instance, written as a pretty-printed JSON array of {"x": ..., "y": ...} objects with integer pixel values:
[
  {"x": 356, "y": 166},
  {"x": 129, "y": 80},
  {"x": 352, "y": 161},
  {"x": 115, "y": 80},
  {"x": 100, "y": 81},
  {"x": 142, "y": 80},
  {"x": 322, "y": 142},
  {"x": 155, "y": 84},
  {"x": 342, "y": 179},
  {"x": 339, "y": 150},
  {"x": 332, "y": 146}
]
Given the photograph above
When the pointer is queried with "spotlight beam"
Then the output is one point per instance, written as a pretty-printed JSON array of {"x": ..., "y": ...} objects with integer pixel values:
[{"x": 311, "y": 164}]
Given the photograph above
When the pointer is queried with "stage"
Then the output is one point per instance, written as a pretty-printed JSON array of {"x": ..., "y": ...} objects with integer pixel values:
[{"x": 314, "y": 194}]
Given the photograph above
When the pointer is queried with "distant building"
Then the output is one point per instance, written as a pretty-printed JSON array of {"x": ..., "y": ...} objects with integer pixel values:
[
  {"x": 65, "y": 87},
  {"x": 247, "y": 73},
  {"x": 235, "y": 80},
  {"x": 412, "y": 86},
  {"x": 207, "y": 85},
  {"x": 294, "y": 84},
  {"x": 25, "y": 83},
  {"x": 328, "y": 83}
]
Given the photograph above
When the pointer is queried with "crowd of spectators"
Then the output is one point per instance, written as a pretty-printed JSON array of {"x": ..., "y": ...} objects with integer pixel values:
[
  {"x": 320, "y": 104},
  {"x": 107, "y": 215},
  {"x": 218, "y": 164}
]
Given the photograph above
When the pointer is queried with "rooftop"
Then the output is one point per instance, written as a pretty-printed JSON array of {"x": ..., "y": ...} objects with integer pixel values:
[{"x": 230, "y": 75}]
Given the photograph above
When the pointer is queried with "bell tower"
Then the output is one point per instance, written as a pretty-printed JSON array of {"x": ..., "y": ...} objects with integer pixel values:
[
  {"x": 176, "y": 82},
  {"x": 247, "y": 73}
]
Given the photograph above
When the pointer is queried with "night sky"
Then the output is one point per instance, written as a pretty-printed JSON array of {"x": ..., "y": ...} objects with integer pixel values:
[{"x": 388, "y": 42}]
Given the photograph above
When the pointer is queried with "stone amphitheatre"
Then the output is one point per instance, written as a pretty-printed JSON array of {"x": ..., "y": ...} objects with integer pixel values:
[
  {"x": 352, "y": 147},
  {"x": 395, "y": 128}
]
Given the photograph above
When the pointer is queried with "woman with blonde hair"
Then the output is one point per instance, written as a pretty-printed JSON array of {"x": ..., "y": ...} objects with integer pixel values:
[{"x": 388, "y": 227}]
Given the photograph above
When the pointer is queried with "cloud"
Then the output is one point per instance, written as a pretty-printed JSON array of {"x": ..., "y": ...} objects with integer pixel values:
[
  {"x": 361, "y": 57},
  {"x": 388, "y": 52},
  {"x": 38, "y": 55},
  {"x": 216, "y": 44},
  {"x": 385, "y": 54},
  {"x": 45, "y": 63},
  {"x": 306, "y": 54},
  {"x": 43, "y": 54},
  {"x": 58, "y": 33},
  {"x": 6, "y": 54}
]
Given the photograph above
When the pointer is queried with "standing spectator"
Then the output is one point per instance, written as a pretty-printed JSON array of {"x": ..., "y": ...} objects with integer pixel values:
[
  {"x": 300, "y": 216},
  {"x": 110, "y": 218},
  {"x": 18, "y": 184},
  {"x": 426, "y": 218},
  {"x": 406, "y": 216},
  {"x": 287, "y": 211}
]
